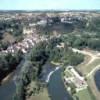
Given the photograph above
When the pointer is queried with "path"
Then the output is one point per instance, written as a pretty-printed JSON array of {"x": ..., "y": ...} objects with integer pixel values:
[
  {"x": 93, "y": 56},
  {"x": 92, "y": 71}
]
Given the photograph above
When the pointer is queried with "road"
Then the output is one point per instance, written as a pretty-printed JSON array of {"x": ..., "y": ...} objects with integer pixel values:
[
  {"x": 94, "y": 70},
  {"x": 93, "y": 58}
]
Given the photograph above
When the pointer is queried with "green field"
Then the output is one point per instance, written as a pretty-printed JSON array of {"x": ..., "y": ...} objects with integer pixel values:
[
  {"x": 85, "y": 69},
  {"x": 67, "y": 73},
  {"x": 92, "y": 65},
  {"x": 83, "y": 95}
]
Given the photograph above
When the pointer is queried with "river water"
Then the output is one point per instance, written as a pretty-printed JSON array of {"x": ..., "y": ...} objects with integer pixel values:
[
  {"x": 97, "y": 79},
  {"x": 56, "y": 88},
  {"x": 7, "y": 90}
]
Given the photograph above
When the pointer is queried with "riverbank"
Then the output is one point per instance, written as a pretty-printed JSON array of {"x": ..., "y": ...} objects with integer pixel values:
[
  {"x": 92, "y": 85},
  {"x": 55, "y": 63},
  {"x": 7, "y": 78},
  {"x": 41, "y": 96}
]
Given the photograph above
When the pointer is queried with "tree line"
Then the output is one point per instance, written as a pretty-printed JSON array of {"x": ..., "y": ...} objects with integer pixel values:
[{"x": 8, "y": 63}]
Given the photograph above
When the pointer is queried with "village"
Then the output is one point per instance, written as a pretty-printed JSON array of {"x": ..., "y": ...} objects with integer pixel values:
[{"x": 29, "y": 31}]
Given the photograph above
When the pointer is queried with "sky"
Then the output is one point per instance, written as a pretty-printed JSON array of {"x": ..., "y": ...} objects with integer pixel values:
[{"x": 49, "y": 4}]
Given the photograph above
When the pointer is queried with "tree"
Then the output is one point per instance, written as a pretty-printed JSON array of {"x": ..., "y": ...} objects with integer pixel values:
[
  {"x": 94, "y": 44},
  {"x": 8, "y": 62}
]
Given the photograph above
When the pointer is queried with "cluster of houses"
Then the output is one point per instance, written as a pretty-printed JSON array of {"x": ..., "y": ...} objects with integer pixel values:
[
  {"x": 25, "y": 44},
  {"x": 78, "y": 81},
  {"x": 32, "y": 38}
]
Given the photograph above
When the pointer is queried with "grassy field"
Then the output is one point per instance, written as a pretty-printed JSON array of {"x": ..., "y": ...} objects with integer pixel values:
[
  {"x": 92, "y": 65},
  {"x": 84, "y": 95},
  {"x": 85, "y": 69},
  {"x": 82, "y": 67},
  {"x": 93, "y": 87},
  {"x": 67, "y": 73}
]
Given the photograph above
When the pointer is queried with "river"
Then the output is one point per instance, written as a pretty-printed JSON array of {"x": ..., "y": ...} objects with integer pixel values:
[
  {"x": 56, "y": 86},
  {"x": 97, "y": 79},
  {"x": 7, "y": 90}
]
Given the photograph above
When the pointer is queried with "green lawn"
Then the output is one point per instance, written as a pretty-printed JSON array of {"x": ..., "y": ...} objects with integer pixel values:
[
  {"x": 84, "y": 95},
  {"x": 92, "y": 65},
  {"x": 67, "y": 74},
  {"x": 85, "y": 69}
]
